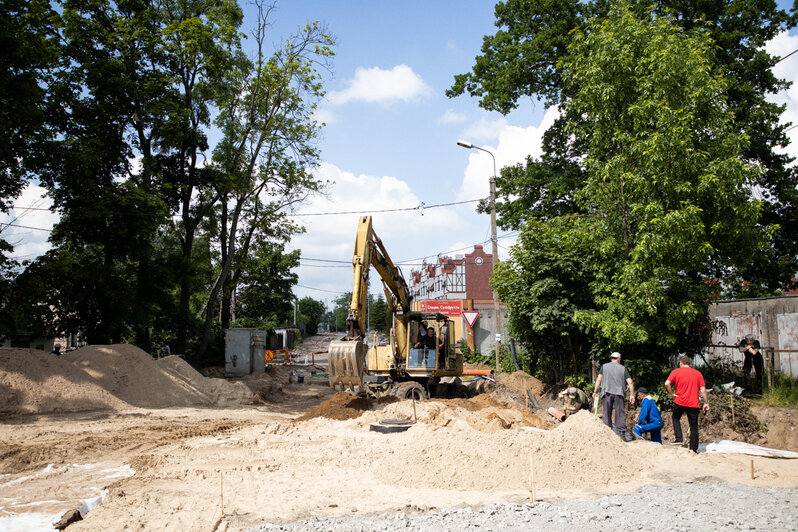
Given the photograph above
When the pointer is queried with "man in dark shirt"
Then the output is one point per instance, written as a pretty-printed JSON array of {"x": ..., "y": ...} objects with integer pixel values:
[{"x": 752, "y": 356}]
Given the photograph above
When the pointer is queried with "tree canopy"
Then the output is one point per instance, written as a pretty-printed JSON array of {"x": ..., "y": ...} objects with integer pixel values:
[
  {"x": 161, "y": 224},
  {"x": 525, "y": 58},
  {"x": 645, "y": 195}
]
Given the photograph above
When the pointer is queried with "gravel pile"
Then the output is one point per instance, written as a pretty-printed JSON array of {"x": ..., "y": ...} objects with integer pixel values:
[{"x": 712, "y": 505}]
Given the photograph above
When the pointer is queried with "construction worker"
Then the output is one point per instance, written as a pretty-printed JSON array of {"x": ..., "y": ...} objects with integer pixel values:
[
  {"x": 649, "y": 419},
  {"x": 612, "y": 380},
  {"x": 574, "y": 400}
]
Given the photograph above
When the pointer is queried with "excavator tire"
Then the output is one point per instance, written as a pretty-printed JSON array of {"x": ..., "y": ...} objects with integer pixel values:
[{"x": 408, "y": 390}]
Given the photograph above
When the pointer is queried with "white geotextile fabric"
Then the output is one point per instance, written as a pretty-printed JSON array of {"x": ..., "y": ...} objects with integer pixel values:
[{"x": 738, "y": 447}]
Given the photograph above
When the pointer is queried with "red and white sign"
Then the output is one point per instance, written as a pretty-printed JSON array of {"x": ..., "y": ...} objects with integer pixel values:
[
  {"x": 447, "y": 307},
  {"x": 471, "y": 316}
]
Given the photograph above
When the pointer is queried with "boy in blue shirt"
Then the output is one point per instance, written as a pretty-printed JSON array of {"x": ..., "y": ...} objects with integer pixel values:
[{"x": 650, "y": 419}]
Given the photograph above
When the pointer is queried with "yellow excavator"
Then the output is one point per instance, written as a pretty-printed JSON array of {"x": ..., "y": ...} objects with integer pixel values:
[{"x": 408, "y": 364}]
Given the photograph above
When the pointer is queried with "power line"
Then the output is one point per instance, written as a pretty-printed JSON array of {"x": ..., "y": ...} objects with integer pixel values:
[
  {"x": 26, "y": 227},
  {"x": 319, "y": 289},
  {"x": 420, "y": 207}
]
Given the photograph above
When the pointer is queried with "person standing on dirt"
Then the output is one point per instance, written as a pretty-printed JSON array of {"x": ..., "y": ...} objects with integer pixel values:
[
  {"x": 56, "y": 350},
  {"x": 689, "y": 384},
  {"x": 613, "y": 378},
  {"x": 752, "y": 356},
  {"x": 649, "y": 419}
]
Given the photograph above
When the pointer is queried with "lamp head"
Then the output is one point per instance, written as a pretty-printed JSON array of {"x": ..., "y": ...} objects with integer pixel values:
[{"x": 465, "y": 144}]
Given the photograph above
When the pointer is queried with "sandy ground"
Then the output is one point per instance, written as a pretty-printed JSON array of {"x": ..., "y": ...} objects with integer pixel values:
[{"x": 237, "y": 467}]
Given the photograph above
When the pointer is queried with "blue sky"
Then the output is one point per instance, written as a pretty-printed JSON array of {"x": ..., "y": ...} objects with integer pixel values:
[{"x": 390, "y": 139}]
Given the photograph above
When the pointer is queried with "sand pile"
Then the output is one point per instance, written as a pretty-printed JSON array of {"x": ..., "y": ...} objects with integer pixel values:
[
  {"x": 584, "y": 451},
  {"x": 33, "y": 381},
  {"x": 114, "y": 377},
  {"x": 132, "y": 375},
  {"x": 220, "y": 391},
  {"x": 521, "y": 382},
  {"x": 447, "y": 449}
]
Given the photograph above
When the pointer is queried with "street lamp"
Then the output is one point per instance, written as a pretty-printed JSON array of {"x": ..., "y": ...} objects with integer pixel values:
[{"x": 494, "y": 245}]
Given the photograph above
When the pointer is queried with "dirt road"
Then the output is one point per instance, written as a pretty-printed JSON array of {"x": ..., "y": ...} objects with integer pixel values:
[{"x": 237, "y": 468}]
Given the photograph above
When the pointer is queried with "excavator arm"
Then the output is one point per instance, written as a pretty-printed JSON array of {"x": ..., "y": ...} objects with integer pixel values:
[{"x": 347, "y": 356}]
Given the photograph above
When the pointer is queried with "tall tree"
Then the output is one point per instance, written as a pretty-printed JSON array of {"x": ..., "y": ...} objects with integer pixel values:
[
  {"x": 524, "y": 59},
  {"x": 268, "y": 147},
  {"x": 665, "y": 183}
]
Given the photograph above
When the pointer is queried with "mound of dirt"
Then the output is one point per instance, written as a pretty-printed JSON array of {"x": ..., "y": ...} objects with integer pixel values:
[
  {"x": 521, "y": 382},
  {"x": 265, "y": 388},
  {"x": 344, "y": 405},
  {"x": 110, "y": 377},
  {"x": 33, "y": 381},
  {"x": 132, "y": 375},
  {"x": 583, "y": 450},
  {"x": 220, "y": 391}
]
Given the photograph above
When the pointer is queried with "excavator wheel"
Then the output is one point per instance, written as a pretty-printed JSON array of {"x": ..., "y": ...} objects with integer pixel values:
[{"x": 408, "y": 390}]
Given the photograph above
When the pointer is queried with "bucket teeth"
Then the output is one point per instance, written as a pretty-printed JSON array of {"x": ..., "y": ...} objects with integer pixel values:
[{"x": 347, "y": 364}]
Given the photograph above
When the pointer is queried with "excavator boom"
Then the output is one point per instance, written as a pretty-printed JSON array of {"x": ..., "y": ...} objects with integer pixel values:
[{"x": 347, "y": 356}]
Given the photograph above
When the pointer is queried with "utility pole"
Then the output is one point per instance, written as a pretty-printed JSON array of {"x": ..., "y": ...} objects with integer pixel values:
[{"x": 494, "y": 249}]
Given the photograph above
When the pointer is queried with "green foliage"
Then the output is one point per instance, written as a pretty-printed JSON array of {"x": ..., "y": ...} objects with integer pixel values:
[
  {"x": 313, "y": 311},
  {"x": 267, "y": 281},
  {"x": 474, "y": 356},
  {"x": 119, "y": 99},
  {"x": 528, "y": 57},
  {"x": 641, "y": 200},
  {"x": 783, "y": 393}
]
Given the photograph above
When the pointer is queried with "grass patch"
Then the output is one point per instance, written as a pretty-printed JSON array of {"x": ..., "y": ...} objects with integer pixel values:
[{"x": 783, "y": 393}]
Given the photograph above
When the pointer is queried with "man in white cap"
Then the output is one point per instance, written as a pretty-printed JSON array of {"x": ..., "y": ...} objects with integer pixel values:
[{"x": 613, "y": 378}]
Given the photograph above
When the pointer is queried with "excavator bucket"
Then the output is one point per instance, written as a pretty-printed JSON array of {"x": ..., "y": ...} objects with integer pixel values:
[{"x": 347, "y": 363}]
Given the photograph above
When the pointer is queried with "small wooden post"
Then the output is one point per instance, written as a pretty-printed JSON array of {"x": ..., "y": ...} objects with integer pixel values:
[
  {"x": 771, "y": 359},
  {"x": 752, "y": 470},
  {"x": 732, "y": 408}
]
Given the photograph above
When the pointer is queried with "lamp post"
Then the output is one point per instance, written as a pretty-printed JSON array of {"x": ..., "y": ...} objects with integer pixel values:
[{"x": 494, "y": 248}]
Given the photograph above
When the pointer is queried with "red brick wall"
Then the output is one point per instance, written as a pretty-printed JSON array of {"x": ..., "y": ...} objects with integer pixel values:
[{"x": 478, "y": 269}]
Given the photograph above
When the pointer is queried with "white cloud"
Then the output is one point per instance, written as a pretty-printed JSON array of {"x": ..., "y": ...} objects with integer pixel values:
[
  {"x": 376, "y": 85},
  {"x": 485, "y": 129},
  {"x": 29, "y": 241},
  {"x": 406, "y": 234},
  {"x": 450, "y": 117},
  {"x": 782, "y": 45},
  {"x": 324, "y": 115},
  {"x": 513, "y": 146}
]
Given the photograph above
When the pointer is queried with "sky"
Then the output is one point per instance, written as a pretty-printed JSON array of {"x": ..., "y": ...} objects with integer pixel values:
[{"x": 391, "y": 133}]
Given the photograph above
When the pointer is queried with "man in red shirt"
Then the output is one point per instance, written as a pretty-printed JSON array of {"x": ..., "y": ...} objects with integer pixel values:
[{"x": 689, "y": 383}]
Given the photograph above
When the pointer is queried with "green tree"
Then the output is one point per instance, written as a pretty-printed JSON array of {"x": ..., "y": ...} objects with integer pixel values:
[
  {"x": 313, "y": 311},
  {"x": 267, "y": 282},
  {"x": 267, "y": 149},
  {"x": 29, "y": 40},
  {"x": 524, "y": 58},
  {"x": 665, "y": 184},
  {"x": 380, "y": 315}
]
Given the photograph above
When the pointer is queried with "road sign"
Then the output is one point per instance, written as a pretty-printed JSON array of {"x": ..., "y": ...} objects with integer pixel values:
[{"x": 471, "y": 316}]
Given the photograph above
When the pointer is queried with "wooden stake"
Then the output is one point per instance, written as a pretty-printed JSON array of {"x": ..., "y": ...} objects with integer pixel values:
[
  {"x": 415, "y": 419},
  {"x": 221, "y": 492},
  {"x": 732, "y": 407},
  {"x": 752, "y": 470},
  {"x": 532, "y": 495}
]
